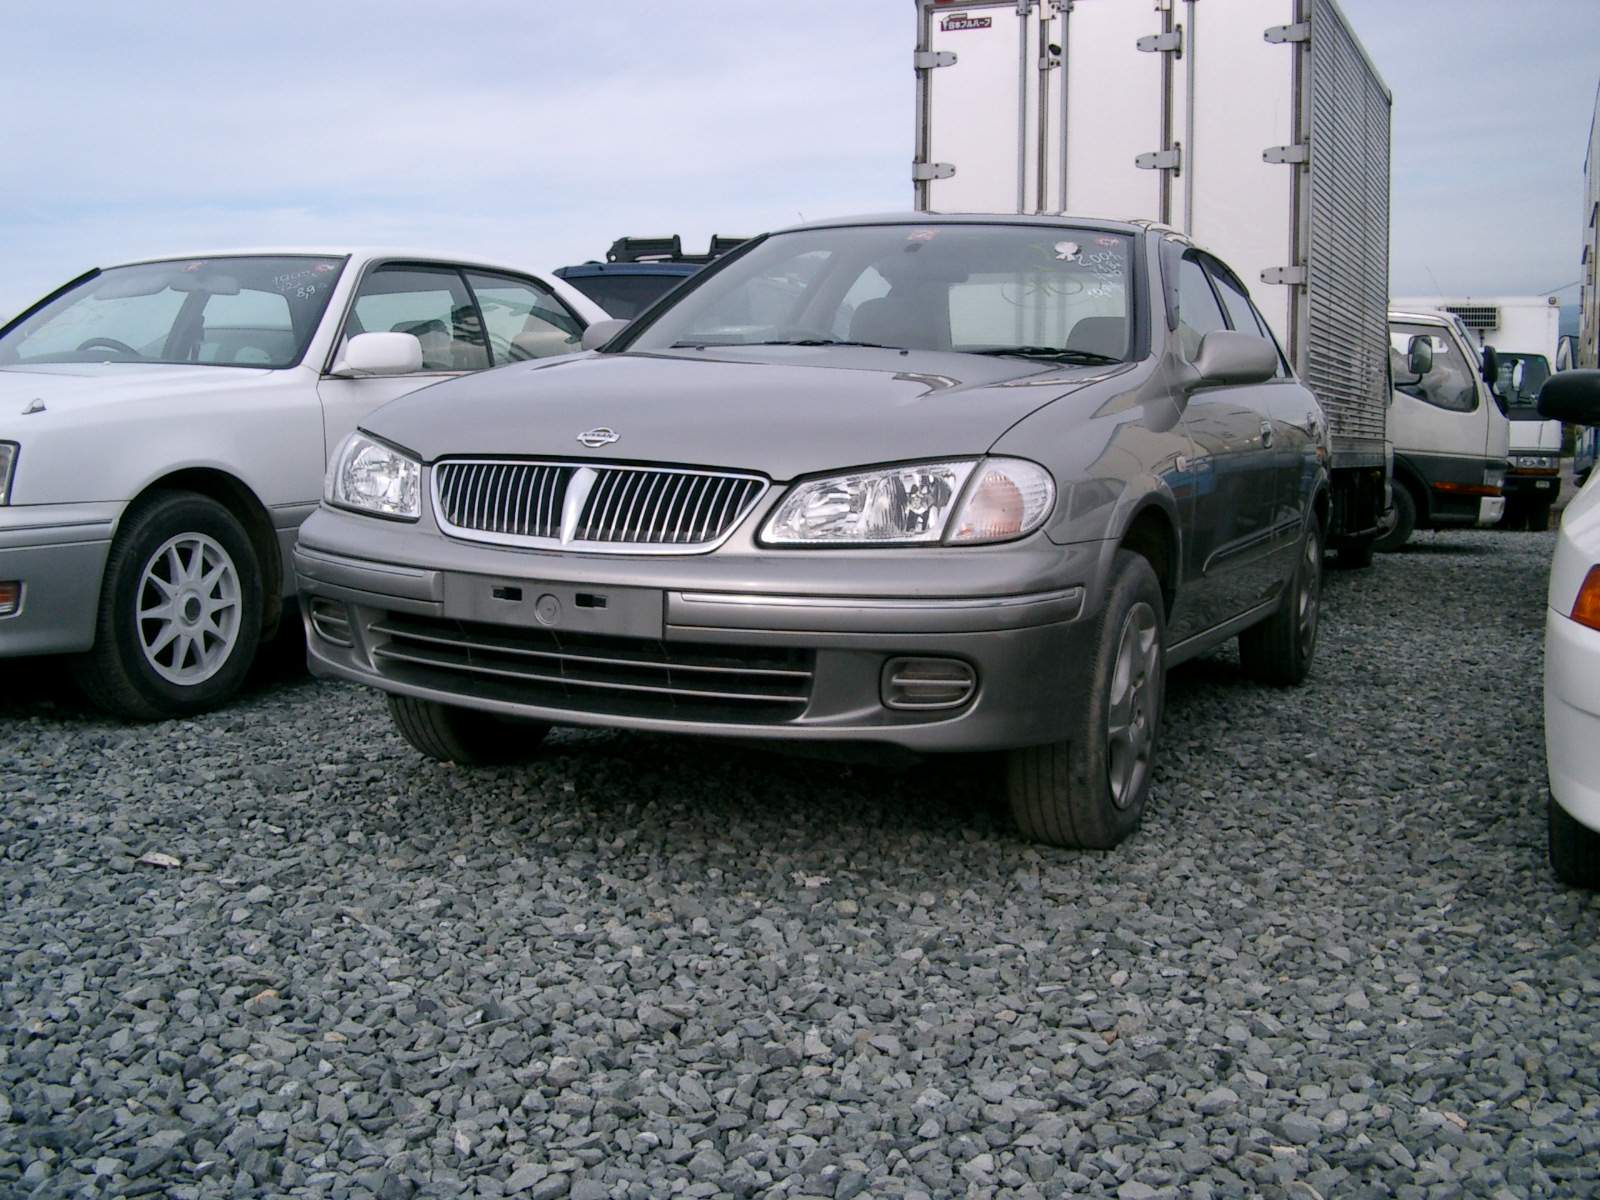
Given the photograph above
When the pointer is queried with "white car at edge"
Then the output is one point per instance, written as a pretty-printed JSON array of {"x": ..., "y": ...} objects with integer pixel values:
[
  {"x": 165, "y": 427},
  {"x": 1572, "y": 655}
]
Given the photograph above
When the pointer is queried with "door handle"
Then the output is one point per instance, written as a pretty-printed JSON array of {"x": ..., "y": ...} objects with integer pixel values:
[{"x": 1266, "y": 434}]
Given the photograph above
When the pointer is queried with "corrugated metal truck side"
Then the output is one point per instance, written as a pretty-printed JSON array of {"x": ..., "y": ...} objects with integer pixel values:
[{"x": 1260, "y": 128}]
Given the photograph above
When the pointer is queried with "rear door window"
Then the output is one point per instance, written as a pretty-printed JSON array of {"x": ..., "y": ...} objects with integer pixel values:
[{"x": 523, "y": 319}]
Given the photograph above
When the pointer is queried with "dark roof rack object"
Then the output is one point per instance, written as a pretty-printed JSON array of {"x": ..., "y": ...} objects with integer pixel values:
[{"x": 667, "y": 249}]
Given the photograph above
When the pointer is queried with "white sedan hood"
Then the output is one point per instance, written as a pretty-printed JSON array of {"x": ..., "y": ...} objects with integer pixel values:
[{"x": 73, "y": 387}]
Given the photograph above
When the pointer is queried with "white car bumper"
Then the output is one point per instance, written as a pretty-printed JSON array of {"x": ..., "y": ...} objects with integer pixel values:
[
  {"x": 1490, "y": 510},
  {"x": 1572, "y": 716}
]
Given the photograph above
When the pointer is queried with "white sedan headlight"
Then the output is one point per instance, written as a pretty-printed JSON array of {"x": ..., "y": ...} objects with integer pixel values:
[
  {"x": 967, "y": 501},
  {"x": 375, "y": 478},
  {"x": 8, "y": 465}
]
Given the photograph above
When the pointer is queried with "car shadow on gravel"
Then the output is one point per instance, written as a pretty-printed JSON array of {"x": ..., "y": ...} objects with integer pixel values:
[{"x": 44, "y": 688}]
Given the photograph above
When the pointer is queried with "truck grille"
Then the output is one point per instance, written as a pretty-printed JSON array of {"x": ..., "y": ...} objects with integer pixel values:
[
  {"x": 594, "y": 674},
  {"x": 548, "y": 505}
]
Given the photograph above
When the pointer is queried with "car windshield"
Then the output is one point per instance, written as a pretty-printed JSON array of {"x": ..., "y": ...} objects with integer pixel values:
[
  {"x": 1518, "y": 378},
  {"x": 240, "y": 312},
  {"x": 1051, "y": 292}
]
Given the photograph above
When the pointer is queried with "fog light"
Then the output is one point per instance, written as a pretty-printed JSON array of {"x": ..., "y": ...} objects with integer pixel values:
[
  {"x": 10, "y": 597},
  {"x": 331, "y": 621},
  {"x": 923, "y": 683}
]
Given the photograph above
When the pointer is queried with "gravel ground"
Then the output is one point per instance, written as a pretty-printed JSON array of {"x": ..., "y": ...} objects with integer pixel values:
[{"x": 1333, "y": 962}]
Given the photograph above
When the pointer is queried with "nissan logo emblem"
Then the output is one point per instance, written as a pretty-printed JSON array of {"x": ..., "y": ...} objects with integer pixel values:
[{"x": 595, "y": 438}]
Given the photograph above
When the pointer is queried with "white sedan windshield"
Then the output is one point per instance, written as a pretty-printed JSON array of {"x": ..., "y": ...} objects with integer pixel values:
[{"x": 245, "y": 311}]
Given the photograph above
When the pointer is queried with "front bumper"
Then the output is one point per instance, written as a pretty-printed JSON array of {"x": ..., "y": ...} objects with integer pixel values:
[
  {"x": 776, "y": 646},
  {"x": 1572, "y": 716},
  {"x": 1539, "y": 486},
  {"x": 58, "y": 553}
]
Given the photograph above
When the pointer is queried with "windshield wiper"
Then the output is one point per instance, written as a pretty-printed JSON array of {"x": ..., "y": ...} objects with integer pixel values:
[
  {"x": 1052, "y": 352},
  {"x": 696, "y": 344}
]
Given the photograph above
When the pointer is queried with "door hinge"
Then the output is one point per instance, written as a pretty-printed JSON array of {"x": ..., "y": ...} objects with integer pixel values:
[
  {"x": 921, "y": 172},
  {"x": 1293, "y": 276},
  {"x": 927, "y": 60},
  {"x": 1024, "y": 7},
  {"x": 1161, "y": 160},
  {"x": 1279, "y": 34},
  {"x": 1297, "y": 153},
  {"x": 1162, "y": 43}
]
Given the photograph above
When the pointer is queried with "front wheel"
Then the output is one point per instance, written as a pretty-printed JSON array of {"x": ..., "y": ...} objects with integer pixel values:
[
  {"x": 1089, "y": 791},
  {"x": 1574, "y": 849},
  {"x": 1279, "y": 650},
  {"x": 180, "y": 611},
  {"x": 467, "y": 736},
  {"x": 1399, "y": 521}
]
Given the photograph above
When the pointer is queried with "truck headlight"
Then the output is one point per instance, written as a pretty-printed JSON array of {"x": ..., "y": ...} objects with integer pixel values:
[
  {"x": 8, "y": 467},
  {"x": 373, "y": 477},
  {"x": 966, "y": 501}
]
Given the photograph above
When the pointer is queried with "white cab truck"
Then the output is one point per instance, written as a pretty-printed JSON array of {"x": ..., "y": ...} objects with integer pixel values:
[
  {"x": 1525, "y": 334},
  {"x": 1448, "y": 430},
  {"x": 1258, "y": 128}
]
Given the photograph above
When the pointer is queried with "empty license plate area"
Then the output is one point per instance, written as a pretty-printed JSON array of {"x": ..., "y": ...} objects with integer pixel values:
[{"x": 561, "y": 607}]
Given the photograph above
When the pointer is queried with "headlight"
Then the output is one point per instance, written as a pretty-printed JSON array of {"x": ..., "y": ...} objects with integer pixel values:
[
  {"x": 968, "y": 501},
  {"x": 374, "y": 478},
  {"x": 8, "y": 466}
]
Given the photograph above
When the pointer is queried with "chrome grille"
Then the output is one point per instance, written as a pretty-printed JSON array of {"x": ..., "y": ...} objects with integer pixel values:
[
  {"x": 592, "y": 673},
  {"x": 550, "y": 505}
]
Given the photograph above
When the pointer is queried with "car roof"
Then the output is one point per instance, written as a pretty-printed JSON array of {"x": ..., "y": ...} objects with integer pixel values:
[
  {"x": 589, "y": 269},
  {"x": 930, "y": 218},
  {"x": 1421, "y": 318},
  {"x": 360, "y": 254}
]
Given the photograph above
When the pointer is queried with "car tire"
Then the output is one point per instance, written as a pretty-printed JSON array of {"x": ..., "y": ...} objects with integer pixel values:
[
  {"x": 466, "y": 736},
  {"x": 1404, "y": 523},
  {"x": 1538, "y": 517},
  {"x": 1574, "y": 849},
  {"x": 180, "y": 611},
  {"x": 1089, "y": 790},
  {"x": 1279, "y": 650}
]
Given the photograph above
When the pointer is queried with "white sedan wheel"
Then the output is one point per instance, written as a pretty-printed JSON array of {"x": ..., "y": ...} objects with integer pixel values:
[{"x": 187, "y": 609}]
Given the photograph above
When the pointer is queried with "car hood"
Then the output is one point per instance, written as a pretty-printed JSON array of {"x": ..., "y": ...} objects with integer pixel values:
[
  {"x": 784, "y": 411},
  {"x": 1535, "y": 435},
  {"x": 72, "y": 387}
]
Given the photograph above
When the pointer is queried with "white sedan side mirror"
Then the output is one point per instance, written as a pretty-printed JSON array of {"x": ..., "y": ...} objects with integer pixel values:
[
  {"x": 380, "y": 354},
  {"x": 601, "y": 332}
]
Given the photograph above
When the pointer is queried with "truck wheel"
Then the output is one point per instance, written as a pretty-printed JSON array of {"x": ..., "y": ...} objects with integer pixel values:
[
  {"x": 464, "y": 735},
  {"x": 180, "y": 611},
  {"x": 1089, "y": 791},
  {"x": 1574, "y": 849},
  {"x": 1279, "y": 650},
  {"x": 1402, "y": 520},
  {"x": 1538, "y": 517}
]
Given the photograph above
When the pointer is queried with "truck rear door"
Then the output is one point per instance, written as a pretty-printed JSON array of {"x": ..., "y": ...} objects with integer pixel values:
[{"x": 1011, "y": 119}]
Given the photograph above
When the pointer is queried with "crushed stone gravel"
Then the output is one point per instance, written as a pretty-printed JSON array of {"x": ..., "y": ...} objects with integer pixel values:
[{"x": 271, "y": 951}]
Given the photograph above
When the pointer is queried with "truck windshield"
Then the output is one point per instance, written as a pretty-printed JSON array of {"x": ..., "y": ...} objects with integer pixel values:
[
  {"x": 1049, "y": 292},
  {"x": 1518, "y": 379},
  {"x": 246, "y": 311}
]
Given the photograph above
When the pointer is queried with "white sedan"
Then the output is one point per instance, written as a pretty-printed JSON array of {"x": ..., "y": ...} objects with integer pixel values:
[
  {"x": 165, "y": 427},
  {"x": 1572, "y": 655}
]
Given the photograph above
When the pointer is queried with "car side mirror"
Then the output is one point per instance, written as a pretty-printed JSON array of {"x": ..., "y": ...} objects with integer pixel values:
[
  {"x": 1491, "y": 367},
  {"x": 601, "y": 332},
  {"x": 1571, "y": 396},
  {"x": 1229, "y": 357},
  {"x": 380, "y": 354},
  {"x": 1419, "y": 356},
  {"x": 1401, "y": 371}
]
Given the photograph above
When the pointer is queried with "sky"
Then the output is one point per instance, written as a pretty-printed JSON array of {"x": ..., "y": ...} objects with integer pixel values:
[{"x": 535, "y": 132}]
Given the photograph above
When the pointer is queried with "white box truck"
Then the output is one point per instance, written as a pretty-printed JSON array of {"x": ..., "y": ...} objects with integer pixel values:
[
  {"x": 1259, "y": 128},
  {"x": 1525, "y": 333}
]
